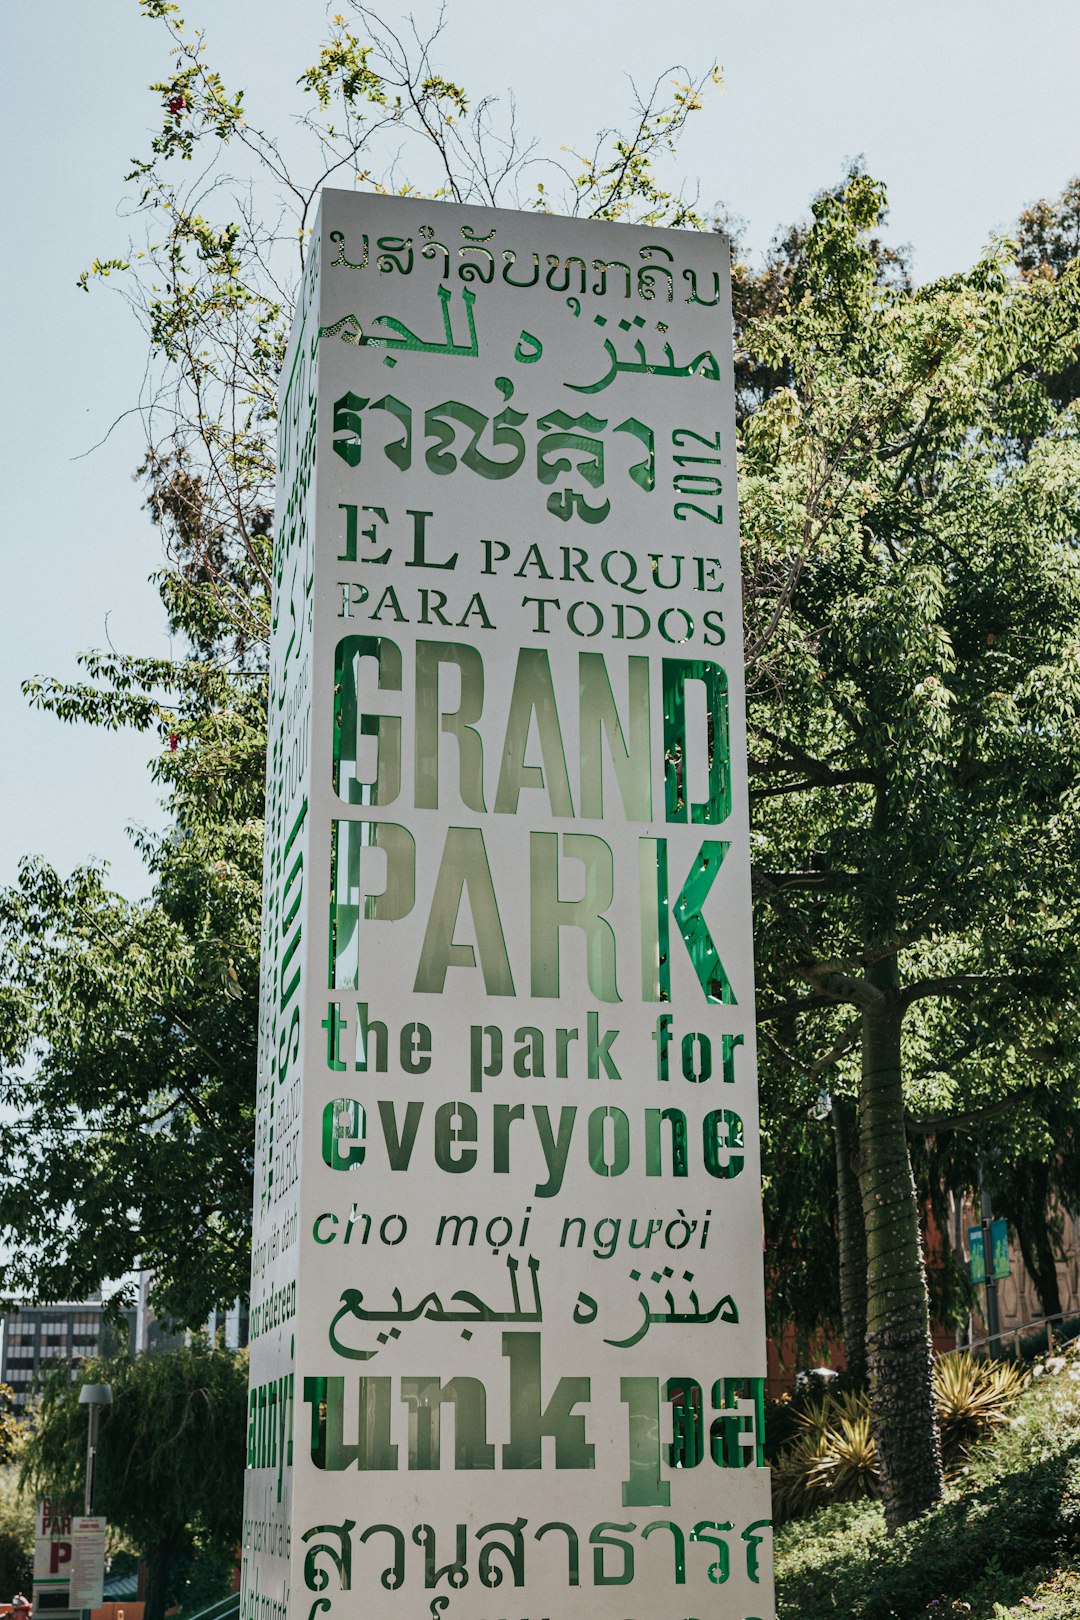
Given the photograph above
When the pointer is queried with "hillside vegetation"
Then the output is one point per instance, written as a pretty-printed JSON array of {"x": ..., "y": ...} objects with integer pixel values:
[{"x": 1004, "y": 1541}]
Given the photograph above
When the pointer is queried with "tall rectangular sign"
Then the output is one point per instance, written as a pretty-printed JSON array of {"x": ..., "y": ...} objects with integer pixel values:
[
  {"x": 52, "y": 1555},
  {"x": 508, "y": 1341}
]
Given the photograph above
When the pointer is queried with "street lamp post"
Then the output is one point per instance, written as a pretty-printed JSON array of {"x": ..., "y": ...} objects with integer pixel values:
[{"x": 94, "y": 1396}]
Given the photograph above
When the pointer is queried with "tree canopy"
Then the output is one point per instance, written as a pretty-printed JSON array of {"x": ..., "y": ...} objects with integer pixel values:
[
  {"x": 914, "y": 488},
  {"x": 170, "y": 1458}
]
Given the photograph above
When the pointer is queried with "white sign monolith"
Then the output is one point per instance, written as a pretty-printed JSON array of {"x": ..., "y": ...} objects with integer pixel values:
[{"x": 507, "y": 1323}]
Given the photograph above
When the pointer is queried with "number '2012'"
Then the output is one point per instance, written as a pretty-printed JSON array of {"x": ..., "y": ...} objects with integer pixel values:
[{"x": 697, "y": 483}]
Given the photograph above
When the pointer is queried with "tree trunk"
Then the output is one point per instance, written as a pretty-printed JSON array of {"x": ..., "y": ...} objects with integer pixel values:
[
  {"x": 1042, "y": 1268},
  {"x": 852, "y": 1235},
  {"x": 1031, "y": 1219},
  {"x": 160, "y": 1559},
  {"x": 898, "y": 1313}
]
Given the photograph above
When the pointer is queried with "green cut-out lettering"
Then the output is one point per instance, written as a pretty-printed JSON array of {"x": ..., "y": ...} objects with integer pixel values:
[
  {"x": 726, "y": 1432},
  {"x": 599, "y": 722},
  {"x": 687, "y": 911},
  {"x": 329, "y": 1449},
  {"x": 464, "y": 869},
  {"x": 533, "y": 695},
  {"x": 728, "y": 1045},
  {"x": 504, "y": 1115},
  {"x": 573, "y": 1572},
  {"x": 719, "y": 1571},
  {"x": 753, "y": 1539},
  {"x": 676, "y": 1119},
  {"x": 343, "y": 1133},
  {"x": 620, "y": 1141},
  {"x": 471, "y": 1448},
  {"x": 600, "y": 1537},
  {"x": 399, "y": 451},
  {"x": 676, "y": 673},
  {"x": 678, "y": 1541},
  {"x": 400, "y": 1144},
  {"x": 549, "y": 914},
  {"x": 642, "y": 472},
  {"x": 349, "y": 902},
  {"x": 531, "y": 1420},
  {"x": 455, "y": 1123},
  {"x": 433, "y": 722},
  {"x": 555, "y": 1148},
  {"x": 723, "y": 1134},
  {"x": 350, "y": 725},
  {"x": 697, "y": 1072},
  {"x": 439, "y": 424},
  {"x": 347, "y": 419},
  {"x": 370, "y": 1033},
  {"x": 687, "y": 1447},
  {"x": 655, "y": 929},
  {"x": 560, "y": 442},
  {"x": 644, "y": 1488},
  {"x": 529, "y": 1052}
]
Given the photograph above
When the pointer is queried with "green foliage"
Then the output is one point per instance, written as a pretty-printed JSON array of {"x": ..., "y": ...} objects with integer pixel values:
[
  {"x": 830, "y": 1455},
  {"x": 208, "y": 1582},
  {"x": 139, "y": 1113},
  {"x": 1015, "y": 1507},
  {"x": 1054, "y": 1594},
  {"x": 972, "y": 1396},
  {"x": 342, "y": 67},
  {"x": 910, "y": 498},
  {"x": 1049, "y": 234},
  {"x": 170, "y": 1456},
  {"x": 16, "y": 1534},
  {"x": 798, "y": 1180},
  {"x": 617, "y": 180},
  {"x": 12, "y": 1428}
]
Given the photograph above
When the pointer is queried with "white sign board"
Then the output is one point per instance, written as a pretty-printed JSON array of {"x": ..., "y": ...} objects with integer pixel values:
[
  {"x": 87, "y": 1563},
  {"x": 508, "y": 1345},
  {"x": 52, "y": 1550}
]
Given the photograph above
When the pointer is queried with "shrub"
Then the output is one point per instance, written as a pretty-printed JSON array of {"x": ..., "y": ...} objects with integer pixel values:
[
  {"x": 16, "y": 1535},
  {"x": 1016, "y": 1505},
  {"x": 832, "y": 1456},
  {"x": 972, "y": 1397},
  {"x": 863, "y": 1574}
]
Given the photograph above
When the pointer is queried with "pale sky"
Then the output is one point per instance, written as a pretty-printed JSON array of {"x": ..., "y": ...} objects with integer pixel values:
[{"x": 967, "y": 109}]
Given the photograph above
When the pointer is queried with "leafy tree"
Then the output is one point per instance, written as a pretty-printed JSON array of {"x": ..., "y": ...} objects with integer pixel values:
[
  {"x": 12, "y": 1427},
  {"x": 1048, "y": 234},
  {"x": 128, "y": 1031},
  {"x": 16, "y": 1509},
  {"x": 137, "y": 1137},
  {"x": 171, "y": 1451},
  {"x": 1031, "y": 1166},
  {"x": 914, "y": 493},
  {"x": 16, "y": 1534}
]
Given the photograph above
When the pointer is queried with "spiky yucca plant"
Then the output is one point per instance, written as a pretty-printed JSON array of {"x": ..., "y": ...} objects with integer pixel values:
[
  {"x": 833, "y": 1457},
  {"x": 972, "y": 1396},
  {"x": 847, "y": 1469}
]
